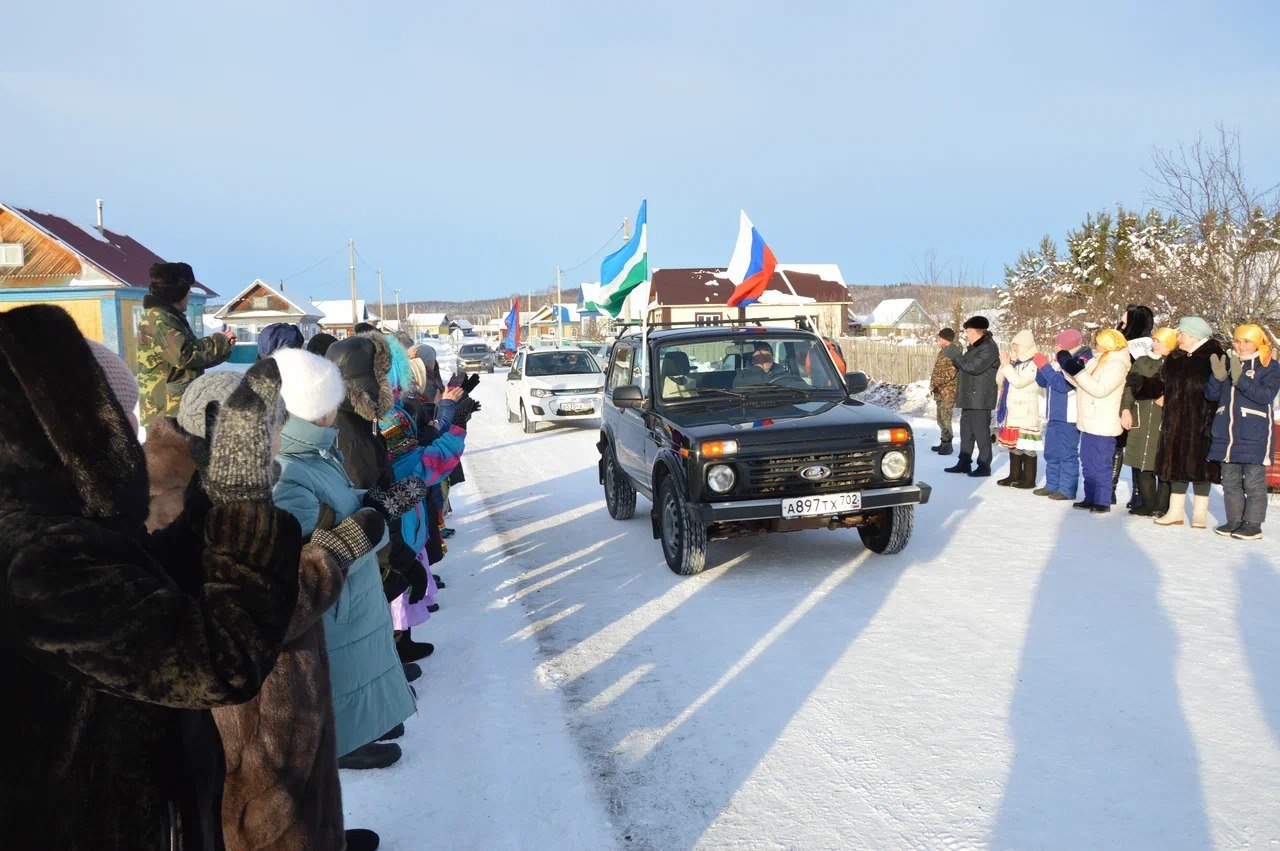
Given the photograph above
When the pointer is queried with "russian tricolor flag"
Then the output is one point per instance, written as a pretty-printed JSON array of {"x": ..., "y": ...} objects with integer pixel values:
[{"x": 752, "y": 265}]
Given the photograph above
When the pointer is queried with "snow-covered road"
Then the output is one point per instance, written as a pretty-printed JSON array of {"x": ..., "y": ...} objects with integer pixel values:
[{"x": 1023, "y": 676}]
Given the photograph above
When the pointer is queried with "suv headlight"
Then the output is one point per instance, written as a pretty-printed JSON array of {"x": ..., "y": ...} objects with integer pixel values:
[
  {"x": 720, "y": 478},
  {"x": 539, "y": 393},
  {"x": 893, "y": 465}
]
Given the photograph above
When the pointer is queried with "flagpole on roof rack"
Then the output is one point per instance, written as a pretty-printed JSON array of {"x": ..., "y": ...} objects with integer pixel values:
[{"x": 813, "y": 319}]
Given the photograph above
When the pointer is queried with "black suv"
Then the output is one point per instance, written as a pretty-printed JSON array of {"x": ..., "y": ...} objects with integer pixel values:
[{"x": 744, "y": 431}]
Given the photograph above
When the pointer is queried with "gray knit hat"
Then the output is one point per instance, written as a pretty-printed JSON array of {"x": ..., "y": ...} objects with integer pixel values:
[{"x": 210, "y": 387}]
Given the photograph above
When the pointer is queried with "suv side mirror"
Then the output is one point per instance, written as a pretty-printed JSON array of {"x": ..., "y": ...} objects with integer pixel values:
[
  {"x": 513, "y": 375},
  {"x": 628, "y": 397},
  {"x": 856, "y": 382}
]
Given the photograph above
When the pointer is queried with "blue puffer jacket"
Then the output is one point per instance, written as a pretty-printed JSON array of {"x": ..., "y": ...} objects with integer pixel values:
[
  {"x": 1062, "y": 393},
  {"x": 370, "y": 694},
  {"x": 1243, "y": 430}
]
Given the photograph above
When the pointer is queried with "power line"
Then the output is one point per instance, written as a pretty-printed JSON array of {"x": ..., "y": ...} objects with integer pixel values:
[
  {"x": 365, "y": 262},
  {"x": 597, "y": 251},
  {"x": 313, "y": 266}
]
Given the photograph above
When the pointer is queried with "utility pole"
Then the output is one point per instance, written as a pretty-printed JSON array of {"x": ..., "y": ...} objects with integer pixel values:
[
  {"x": 559, "y": 316},
  {"x": 529, "y": 303},
  {"x": 397, "y": 310},
  {"x": 626, "y": 229},
  {"x": 351, "y": 251},
  {"x": 382, "y": 307}
]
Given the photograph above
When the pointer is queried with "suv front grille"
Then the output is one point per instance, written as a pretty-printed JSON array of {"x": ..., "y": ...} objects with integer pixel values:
[{"x": 769, "y": 477}]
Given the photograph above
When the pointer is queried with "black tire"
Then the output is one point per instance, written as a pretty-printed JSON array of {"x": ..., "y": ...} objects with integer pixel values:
[
  {"x": 684, "y": 539},
  {"x": 619, "y": 494},
  {"x": 530, "y": 427},
  {"x": 889, "y": 532}
]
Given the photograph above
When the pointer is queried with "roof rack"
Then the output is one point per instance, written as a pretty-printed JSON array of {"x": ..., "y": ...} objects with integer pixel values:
[{"x": 802, "y": 323}]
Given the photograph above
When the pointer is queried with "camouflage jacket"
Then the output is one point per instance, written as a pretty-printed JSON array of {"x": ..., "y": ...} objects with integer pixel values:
[
  {"x": 171, "y": 356},
  {"x": 942, "y": 384}
]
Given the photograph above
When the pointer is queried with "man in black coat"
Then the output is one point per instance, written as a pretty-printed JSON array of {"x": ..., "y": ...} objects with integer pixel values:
[
  {"x": 976, "y": 394},
  {"x": 114, "y": 641}
]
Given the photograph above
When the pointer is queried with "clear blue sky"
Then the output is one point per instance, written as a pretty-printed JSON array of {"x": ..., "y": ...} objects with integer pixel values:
[{"x": 469, "y": 148}]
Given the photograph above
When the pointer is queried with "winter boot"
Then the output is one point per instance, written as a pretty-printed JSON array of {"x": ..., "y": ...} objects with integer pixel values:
[
  {"x": 1136, "y": 497},
  {"x": 433, "y": 608},
  {"x": 1117, "y": 465},
  {"x": 1042, "y": 491},
  {"x": 1199, "y": 512},
  {"x": 412, "y": 671},
  {"x": 439, "y": 582},
  {"x": 961, "y": 465},
  {"x": 1144, "y": 494},
  {"x": 980, "y": 471},
  {"x": 1248, "y": 532},
  {"x": 394, "y": 733},
  {"x": 943, "y": 448},
  {"x": 362, "y": 840},
  {"x": 413, "y": 651},
  {"x": 1174, "y": 516},
  {"x": 1059, "y": 496},
  {"x": 1100, "y": 509},
  {"x": 1015, "y": 472},
  {"x": 1028, "y": 480},
  {"x": 372, "y": 755},
  {"x": 1226, "y": 529},
  {"x": 1084, "y": 505}
]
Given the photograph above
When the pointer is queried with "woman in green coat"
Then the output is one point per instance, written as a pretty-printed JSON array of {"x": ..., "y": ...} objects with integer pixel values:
[{"x": 1142, "y": 417}]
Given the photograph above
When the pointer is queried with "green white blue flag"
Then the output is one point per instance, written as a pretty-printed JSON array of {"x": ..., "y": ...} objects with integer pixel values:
[{"x": 625, "y": 269}]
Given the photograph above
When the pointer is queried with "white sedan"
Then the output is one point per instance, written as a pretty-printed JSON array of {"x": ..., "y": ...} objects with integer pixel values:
[{"x": 553, "y": 385}]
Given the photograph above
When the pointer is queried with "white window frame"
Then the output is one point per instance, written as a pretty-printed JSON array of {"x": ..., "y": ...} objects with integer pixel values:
[
  {"x": 259, "y": 302},
  {"x": 9, "y": 250}
]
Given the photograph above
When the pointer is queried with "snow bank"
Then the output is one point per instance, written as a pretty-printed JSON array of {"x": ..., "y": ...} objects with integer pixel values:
[{"x": 906, "y": 399}]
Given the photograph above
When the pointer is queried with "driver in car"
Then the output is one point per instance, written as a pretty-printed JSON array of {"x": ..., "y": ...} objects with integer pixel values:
[{"x": 762, "y": 369}]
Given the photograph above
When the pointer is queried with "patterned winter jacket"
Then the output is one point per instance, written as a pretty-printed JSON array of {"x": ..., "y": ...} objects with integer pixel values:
[
  {"x": 171, "y": 356},
  {"x": 942, "y": 384}
]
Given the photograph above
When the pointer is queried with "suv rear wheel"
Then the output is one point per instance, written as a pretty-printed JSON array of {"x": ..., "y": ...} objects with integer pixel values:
[
  {"x": 619, "y": 495},
  {"x": 889, "y": 532},
  {"x": 684, "y": 539}
]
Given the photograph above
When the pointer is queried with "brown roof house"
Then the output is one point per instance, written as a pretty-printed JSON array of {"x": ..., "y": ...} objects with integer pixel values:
[
  {"x": 95, "y": 274},
  {"x": 699, "y": 296},
  {"x": 260, "y": 304}
]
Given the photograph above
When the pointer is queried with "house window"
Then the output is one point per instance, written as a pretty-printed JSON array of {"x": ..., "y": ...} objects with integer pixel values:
[
  {"x": 11, "y": 254},
  {"x": 259, "y": 302},
  {"x": 708, "y": 318}
]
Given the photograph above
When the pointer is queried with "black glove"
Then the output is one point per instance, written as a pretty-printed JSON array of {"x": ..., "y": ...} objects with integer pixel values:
[
  {"x": 1064, "y": 357},
  {"x": 1073, "y": 366},
  {"x": 417, "y": 582},
  {"x": 353, "y": 537},
  {"x": 394, "y": 584},
  {"x": 463, "y": 411},
  {"x": 397, "y": 500},
  {"x": 240, "y": 466},
  {"x": 470, "y": 382}
]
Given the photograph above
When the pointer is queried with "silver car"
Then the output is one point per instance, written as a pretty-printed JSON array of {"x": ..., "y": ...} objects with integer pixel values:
[{"x": 476, "y": 357}]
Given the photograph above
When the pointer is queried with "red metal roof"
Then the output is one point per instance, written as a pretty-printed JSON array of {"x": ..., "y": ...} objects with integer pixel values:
[
  {"x": 116, "y": 254},
  {"x": 708, "y": 286}
]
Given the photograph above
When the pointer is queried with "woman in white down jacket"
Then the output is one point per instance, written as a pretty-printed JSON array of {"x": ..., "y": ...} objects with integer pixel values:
[
  {"x": 1018, "y": 412},
  {"x": 1101, "y": 383}
]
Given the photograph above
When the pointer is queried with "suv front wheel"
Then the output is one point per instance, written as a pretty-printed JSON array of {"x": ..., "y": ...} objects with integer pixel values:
[
  {"x": 684, "y": 539},
  {"x": 619, "y": 495},
  {"x": 889, "y": 532}
]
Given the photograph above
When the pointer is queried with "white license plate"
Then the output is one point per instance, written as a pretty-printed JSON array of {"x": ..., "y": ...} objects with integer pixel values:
[
  {"x": 817, "y": 506},
  {"x": 575, "y": 407}
]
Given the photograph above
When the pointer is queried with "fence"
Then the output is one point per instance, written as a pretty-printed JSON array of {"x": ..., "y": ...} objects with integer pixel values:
[{"x": 887, "y": 361}]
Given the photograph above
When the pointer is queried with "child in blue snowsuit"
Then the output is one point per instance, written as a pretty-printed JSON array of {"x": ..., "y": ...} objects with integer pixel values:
[{"x": 1061, "y": 436}]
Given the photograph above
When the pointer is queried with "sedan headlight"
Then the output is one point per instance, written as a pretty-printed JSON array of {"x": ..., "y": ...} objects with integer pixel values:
[
  {"x": 893, "y": 465},
  {"x": 539, "y": 393},
  {"x": 720, "y": 478}
]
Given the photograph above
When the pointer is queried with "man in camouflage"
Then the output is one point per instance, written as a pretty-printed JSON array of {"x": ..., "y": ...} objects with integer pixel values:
[
  {"x": 170, "y": 355},
  {"x": 942, "y": 385}
]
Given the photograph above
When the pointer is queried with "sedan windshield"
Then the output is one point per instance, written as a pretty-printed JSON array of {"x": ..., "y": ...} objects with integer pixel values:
[
  {"x": 560, "y": 363},
  {"x": 474, "y": 350},
  {"x": 745, "y": 368}
]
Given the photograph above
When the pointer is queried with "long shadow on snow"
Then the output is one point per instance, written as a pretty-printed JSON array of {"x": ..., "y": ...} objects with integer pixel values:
[
  {"x": 1256, "y": 615},
  {"x": 1103, "y": 757}
]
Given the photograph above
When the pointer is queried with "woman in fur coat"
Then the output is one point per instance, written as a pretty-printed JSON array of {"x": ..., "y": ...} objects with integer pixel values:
[
  {"x": 115, "y": 640},
  {"x": 1183, "y": 456},
  {"x": 1018, "y": 411}
]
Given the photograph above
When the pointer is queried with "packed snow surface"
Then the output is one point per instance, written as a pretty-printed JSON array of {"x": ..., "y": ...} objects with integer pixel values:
[{"x": 1022, "y": 676}]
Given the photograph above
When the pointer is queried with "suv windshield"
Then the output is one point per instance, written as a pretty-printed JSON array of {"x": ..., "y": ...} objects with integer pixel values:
[
  {"x": 560, "y": 363},
  {"x": 745, "y": 367},
  {"x": 474, "y": 349}
]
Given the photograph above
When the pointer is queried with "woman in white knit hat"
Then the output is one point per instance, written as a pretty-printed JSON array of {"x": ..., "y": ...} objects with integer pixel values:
[{"x": 1018, "y": 411}]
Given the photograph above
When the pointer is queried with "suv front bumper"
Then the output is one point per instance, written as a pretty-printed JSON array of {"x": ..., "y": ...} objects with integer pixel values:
[{"x": 771, "y": 509}]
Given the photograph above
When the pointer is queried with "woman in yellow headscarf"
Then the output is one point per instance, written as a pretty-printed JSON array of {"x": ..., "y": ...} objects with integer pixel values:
[
  {"x": 1101, "y": 383},
  {"x": 1244, "y": 385}
]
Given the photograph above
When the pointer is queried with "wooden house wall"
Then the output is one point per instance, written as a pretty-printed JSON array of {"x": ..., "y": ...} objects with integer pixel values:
[
  {"x": 46, "y": 263},
  {"x": 274, "y": 302}
]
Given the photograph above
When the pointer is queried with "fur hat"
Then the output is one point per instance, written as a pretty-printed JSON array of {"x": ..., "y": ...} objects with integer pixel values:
[
  {"x": 1025, "y": 342},
  {"x": 278, "y": 335},
  {"x": 170, "y": 282},
  {"x": 1194, "y": 326},
  {"x": 210, "y": 387},
  {"x": 1167, "y": 337},
  {"x": 364, "y": 362},
  {"x": 948, "y": 334},
  {"x": 121, "y": 380},
  {"x": 1138, "y": 321},
  {"x": 1068, "y": 339},
  {"x": 320, "y": 343},
  {"x": 310, "y": 385},
  {"x": 978, "y": 322},
  {"x": 405, "y": 338}
]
